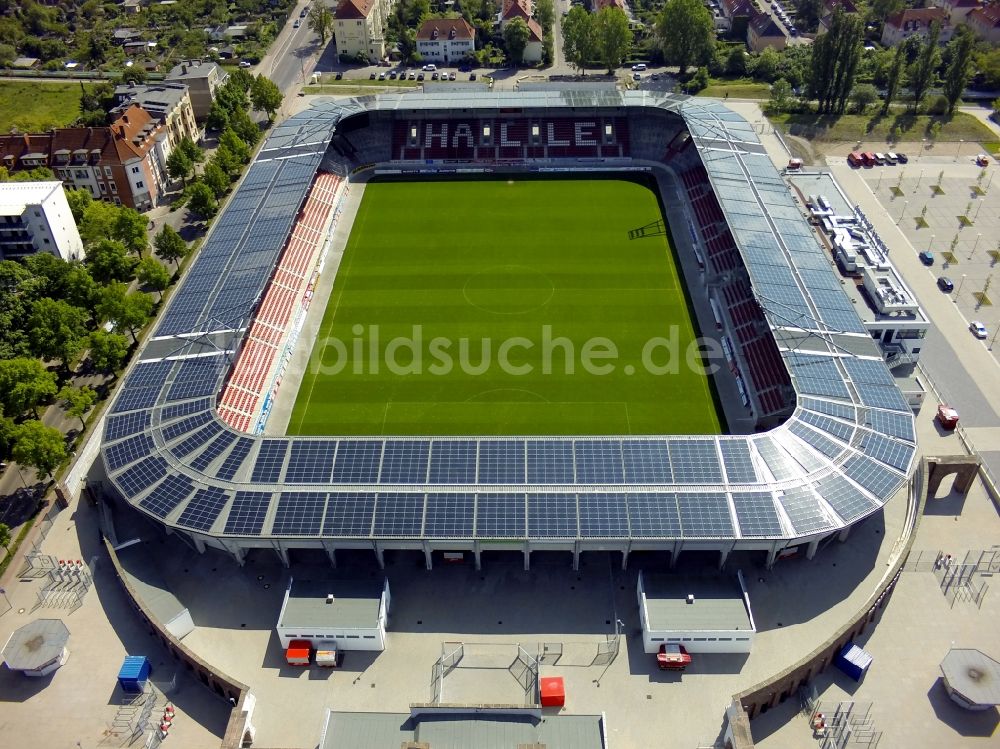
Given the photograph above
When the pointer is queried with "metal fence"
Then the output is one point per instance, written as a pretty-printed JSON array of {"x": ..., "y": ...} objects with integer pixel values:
[{"x": 524, "y": 669}]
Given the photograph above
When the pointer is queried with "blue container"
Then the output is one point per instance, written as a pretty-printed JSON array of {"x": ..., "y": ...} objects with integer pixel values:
[
  {"x": 134, "y": 673},
  {"x": 853, "y": 661}
]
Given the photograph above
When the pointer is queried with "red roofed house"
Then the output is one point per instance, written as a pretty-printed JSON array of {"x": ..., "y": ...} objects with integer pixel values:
[
  {"x": 985, "y": 23},
  {"x": 904, "y": 24},
  {"x": 620, "y": 4},
  {"x": 122, "y": 163},
  {"x": 737, "y": 15},
  {"x": 359, "y": 28},
  {"x": 763, "y": 32},
  {"x": 514, "y": 9},
  {"x": 445, "y": 39},
  {"x": 958, "y": 10},
  {"x": 522, "y": 9},
  {"x": 826, "y": 13}
]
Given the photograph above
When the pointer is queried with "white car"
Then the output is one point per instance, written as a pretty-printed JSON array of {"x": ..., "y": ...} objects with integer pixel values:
[
  {"x": 245, "y": 64},
  {"x": 430, "y": 66},
  {"x": 638, "y": 67},
  {"x": 978, "y": 329}
]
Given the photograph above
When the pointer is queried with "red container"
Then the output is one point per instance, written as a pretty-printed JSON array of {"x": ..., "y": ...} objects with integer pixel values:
[{"x": 553, "y": 691}]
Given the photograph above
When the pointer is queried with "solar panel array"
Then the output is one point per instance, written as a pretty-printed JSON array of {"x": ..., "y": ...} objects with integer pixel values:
[{"x": 846, "y": 450}]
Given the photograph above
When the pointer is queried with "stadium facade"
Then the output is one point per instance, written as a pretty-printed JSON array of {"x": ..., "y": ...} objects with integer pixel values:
[{"x": 836, "y": 437}]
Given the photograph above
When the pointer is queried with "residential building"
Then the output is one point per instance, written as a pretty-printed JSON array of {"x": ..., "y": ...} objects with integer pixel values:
[
  {"x": 915, "y": 21},
  {"x": 123, "y": 163},
  {"x": 958, "y": 10},
  {"x": 522, "y": 9},
  {"x": 826, "y": 13},
  {"x": 763, "y": 32},
  {"x": 120, "y": 36},
  {"x": 35, "y": 217},
  {"x": 169, "y": 103},
  {"x": 446, "y": 39},
  {"x": 202, "y": 80},
  {"x": 359, "y": 28},
  {"x": 737, "y": 15},
  {"x": 533, "y": 49},
  {"x": 985, "y": 23},
  {"x": 514, "y": 9}
]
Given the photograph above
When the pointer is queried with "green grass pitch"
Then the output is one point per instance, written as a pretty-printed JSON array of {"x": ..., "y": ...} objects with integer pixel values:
[{"x": 496, "y": 261}]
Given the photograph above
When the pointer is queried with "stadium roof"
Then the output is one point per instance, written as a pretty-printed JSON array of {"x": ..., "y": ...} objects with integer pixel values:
[{"x": 845, "y": 451}]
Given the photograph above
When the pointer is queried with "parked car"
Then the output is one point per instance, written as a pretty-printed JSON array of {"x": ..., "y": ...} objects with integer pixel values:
[
  {"x": 452, "y": 76},
  {"x": 982, "y": 160},
  {"x": 430, "y": 66},
  {"x": 947, "y": 416},
  {"x": 636, "y": 76},
  {"x": 902, "y": 158},
  {"x": 305, "y": 12},
  {"x": 246, "y": 64},
  {"x": 392, "y": 75},
  {"x": 880, "y": 159},
  {"x": 926, "y": 257},
  {"x": 472, "y": 76},
  {"x": 638, "y": 67},
  {"x": 672, "y": 657},
  {"x": 945, "y": 284},
  {"x": 434, "y": 76},
  {"x": 372, "y": 77},
  {"x": 868, "y": 159},
  {"x": 381, "y": 76},
  {"x": 978, "y": 329},
  {"x": 420, "y": 76},
  {"x": 296, "y": 24},
  {"x": 411, "y": 76},
  {"x": 855, "y": 159},
  {"x": 339, "y": 76},
  {"x": 891, "y": 158}
]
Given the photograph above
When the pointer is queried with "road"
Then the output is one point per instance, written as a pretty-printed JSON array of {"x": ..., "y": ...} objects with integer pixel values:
[{"x": 293, "y": 55}]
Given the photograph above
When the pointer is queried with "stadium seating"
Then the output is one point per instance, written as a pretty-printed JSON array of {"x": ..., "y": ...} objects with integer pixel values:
[{"x": 250, "y": 378}]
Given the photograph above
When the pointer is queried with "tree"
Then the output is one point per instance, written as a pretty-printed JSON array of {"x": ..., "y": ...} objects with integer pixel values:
[
  {"x": 266, "y": 96},
  {"x": 988, "y": 63},
  {"x": 807, "y": 14},
  {"x": 545, "y": 13},
  {"x": 894, "y": 77},
  {"x": 201, "y": 200},
  {"x": 79, "y": 201},
  {"x": 321, "y": 21},
  {"x": 179, "y": 166},
  {"x": 236, "y": 144},
  {"x": 191, "y": 150},
  {"x": 922, "y": 69},
  {"x": 215, "y": 177},
  {"x": 515, "y": 38},
  {"x": 578, "y": 37},
  {"x": 56, "y": 330},
  {"x": 765, "y": 67},
  {"x": 124, "y": 309},
  {"x": 169, "y": 246},
  {"x": 956, "y": 76},
  {"x": 98, "y": 222},
  {"x": 244, "y": 127},
  {"x": 781, "y": 95},
  {"x": 107, "y": 350},
  {"x": 863, "y": 96},
  {"x": 612, "y": 36},
  {"x": 879, "y": 10},
  {"x": 4, "y": 535},
  {"x": 77, "y": 401},
  {"x": 835, "y": 60},
  {"x": 79, "y": 286},
  {"x": 130, "y": 228},
  {"x": 686, "y": 33},
  {"x": 736, "y": 61},
  {"x": 108, "y": 260},
  {"x": 218, "y": 117},
  {"x": 153, "y": 275},
  {"x": 24, "y": 384},
  {"x": 38, "y": 446}
]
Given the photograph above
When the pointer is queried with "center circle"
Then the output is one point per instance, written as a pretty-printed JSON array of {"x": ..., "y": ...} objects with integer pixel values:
[{"x": 508, "y": 290}]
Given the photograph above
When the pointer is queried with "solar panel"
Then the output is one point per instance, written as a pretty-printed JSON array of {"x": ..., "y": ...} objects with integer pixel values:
[
  {"x": 128, "y": 451},
  {"x": 204, "y": 507},
  {"x": 603, "y": 515},
  {"x": 822, "y": 443},
  {"x": 349, "y": 514},
  {"x": 142, "y": 386},
  {"x": 452, "y": 462},
  {"x": 552, "y": 516},
  {"x": 885, "y": 450},
  {"x": 550, "y": 461},
  {"x": 299, "y": 513},
  {"x": 838, "y": 429},
  {"x": 247, "y": 513},
  {"x": 500, "y": 515},
  {"x": 695, "y": 461},
  {"x": 270, "y": 459},
  {"x": 781, "y": 465},
  {"x": 704, "y": 514},
  {"x": 450, "y": 515},
  {"x": 804, "y": 456},
  {"x": 133, "y": 480},
  {"x": 404, "y": 462},
  {"x": 117, "y": 427},
  {"x": 844, "y": 497},
  {"x": 598, "y": 462},
  {"x": 802, "y": 508},
  {"x": 877, "y": 479},
  {"x": 184, "y": 426},
  {"x": 888, "y": 398},
  {"x": 868, "y": 371},
  {"x": 654, "y": 515},
  {"x": 755, "y": 514},
  {"x": 357, "y": 462},
  {"x": 501, "y": 462},
  {"x": 310, "y": 462},
  {"x": 235, "y": 459},
  {"x": 213, "y": 451},
  {"x": 891, "y": 423},
  {"x": 164, "y": 497},
  {"x": 399, "y": 515},
  {"x": 196, "y": 440},
  {"x": 737, "y": 461},
  {"x": 197, "y": 377},
  {"x": 176, "y": 410},
  {"x": 646, "y": 462}
]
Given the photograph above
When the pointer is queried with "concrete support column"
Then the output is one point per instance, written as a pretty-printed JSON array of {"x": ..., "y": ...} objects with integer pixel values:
[
  {"x": 723, "y": 556},
  {"x": 282, "y": 555},
  {"x": 576, "y": 558},
  {"x": 811, "y": 549},
  {"x": 380, "y": 556},
  {"x": 527, "y": 559},
  {"x": 624, "y": 559},
  {"x": 675, "y": 554},
  {"x": 332, "y": 555},
  {"x": 239, "y": 555},
  {"x": 771, "y": 556},
  {"x": 842, "y": 536},
  {"x": 476, "y": 553},
  {"x": 428, "y": 563},
  {"x": 198, "y": 544}
]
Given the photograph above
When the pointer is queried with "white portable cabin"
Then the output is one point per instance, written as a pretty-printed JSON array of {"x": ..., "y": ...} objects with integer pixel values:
[
  {"x": 335, "y": 614},
  {"x": 704, "y": 614}
]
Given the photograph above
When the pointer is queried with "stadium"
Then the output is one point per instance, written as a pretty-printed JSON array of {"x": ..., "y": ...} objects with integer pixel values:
[{"x": 819, "y": 437}]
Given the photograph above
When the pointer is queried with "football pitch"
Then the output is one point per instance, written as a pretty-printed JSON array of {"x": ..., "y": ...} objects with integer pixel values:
[{"x": 506, "y": 307}]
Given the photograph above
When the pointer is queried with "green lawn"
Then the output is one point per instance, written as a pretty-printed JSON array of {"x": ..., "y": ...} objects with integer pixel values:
[
  {"x": 737, "y": 89},
  {"x": 496, "y": 260},
  {"x": 36, "y": 106},
  {"x": 852, "y": 127}
]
